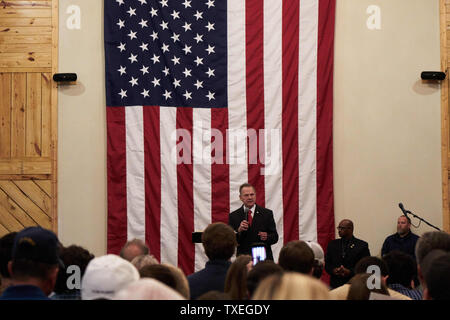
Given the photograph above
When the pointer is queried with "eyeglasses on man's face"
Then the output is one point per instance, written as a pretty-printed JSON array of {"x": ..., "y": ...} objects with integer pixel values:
[{"x": 342, "y": 228}]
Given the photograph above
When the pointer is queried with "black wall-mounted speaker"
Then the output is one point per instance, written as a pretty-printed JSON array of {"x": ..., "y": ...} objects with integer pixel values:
[
  {"x": 432, "y": 75},
  {"x": 65, "y": 77}
]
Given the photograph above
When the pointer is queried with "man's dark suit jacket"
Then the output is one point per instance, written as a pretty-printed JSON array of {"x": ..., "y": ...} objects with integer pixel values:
[
  {"x": 262, "y": 221},
  {"x": 356, "y": 249}
]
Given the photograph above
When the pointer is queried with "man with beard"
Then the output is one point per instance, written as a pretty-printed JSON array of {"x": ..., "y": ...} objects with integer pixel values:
[{"x": 404, "y": 240}]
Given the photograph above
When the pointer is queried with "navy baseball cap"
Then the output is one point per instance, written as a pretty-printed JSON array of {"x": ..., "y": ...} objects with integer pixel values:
[{"x": 36, "y": 244}]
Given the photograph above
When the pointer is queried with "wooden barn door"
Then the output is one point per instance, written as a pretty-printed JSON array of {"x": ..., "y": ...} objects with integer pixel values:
[{"x": 28, "y": 114}]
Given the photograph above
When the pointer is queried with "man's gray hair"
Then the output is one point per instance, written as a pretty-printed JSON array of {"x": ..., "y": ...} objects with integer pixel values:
[{"x": 430, "y": 241}]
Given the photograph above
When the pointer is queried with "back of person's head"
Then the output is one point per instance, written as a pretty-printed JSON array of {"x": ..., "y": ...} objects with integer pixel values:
[
  {"x": 259, "y": 272},
  {"x": 402, "y": 268},
  {"x": 297, "y": 256},
  {"x": 159, "y": 272},
  {"x": 214, "y": 295},
  {"x": 291, "y": 286},
  {"x": 319, "y": 258},
  {"x": 143, "y": 260},
  {"x": 359, "y": 287},
  {"x": 71, "y": 256},
  {"x": 181, "y": 281},
  {"x": 236, "y": 280},
  {"x": 134, "y": 248},
  {"x": 430, "y": 241},
  {"x": 219, "y": 241},
  {"x": 147, "y": 289},
  {"x": 436, "y": 273},
  {"x": 106, "y": 275},
  {"x": 6, "y": 245},
  {"x": 369, "y": 261}
]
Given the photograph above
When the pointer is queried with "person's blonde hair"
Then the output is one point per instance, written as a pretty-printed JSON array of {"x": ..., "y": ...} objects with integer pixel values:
[
  {"x": 144, "y": 260},
  {"x": 291, "y": 286},
  {"x": 181, "y": 282}
]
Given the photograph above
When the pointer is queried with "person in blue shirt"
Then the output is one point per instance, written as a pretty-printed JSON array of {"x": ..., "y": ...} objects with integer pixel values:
[{"x": 403, "y": 240}]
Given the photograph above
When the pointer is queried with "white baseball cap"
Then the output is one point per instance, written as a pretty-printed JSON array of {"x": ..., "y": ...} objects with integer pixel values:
[{"x": 106, "y": 275}]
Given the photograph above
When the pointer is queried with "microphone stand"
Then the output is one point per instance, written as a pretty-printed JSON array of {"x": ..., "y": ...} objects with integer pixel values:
[{"x": 416, "y": 216}]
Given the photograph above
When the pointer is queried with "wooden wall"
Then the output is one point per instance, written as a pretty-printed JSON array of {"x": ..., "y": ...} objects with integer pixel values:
[{"x": 28, "y": 114}]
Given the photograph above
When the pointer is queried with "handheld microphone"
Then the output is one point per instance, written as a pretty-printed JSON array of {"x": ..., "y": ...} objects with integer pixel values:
[{"x": 403, "y": 209}]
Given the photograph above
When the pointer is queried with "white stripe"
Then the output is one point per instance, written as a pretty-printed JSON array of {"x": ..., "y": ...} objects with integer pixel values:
[
  {"x": 202, "y": 177},
  {"x": 135, "y": 172},
  {"x": 237, "y": 118},
  {"x": 309, "y": 16},
  {"x": 169, "y": 190},
  {"x": 273, "y": 106}
]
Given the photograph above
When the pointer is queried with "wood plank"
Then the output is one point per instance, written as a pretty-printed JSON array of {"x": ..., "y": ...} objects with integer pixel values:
[
  {"x": 10, "y": 167},
  {"x": 39, "y": 197},
  {"x": 19, "y": 102},
  {"x": 9, "y": 221},
  {"x": 37, "y": 167},
  {"x": 45, "y": 185},
  {"x": 25, "y": 48},
  {"x": 23, "y": 22},
  {"x": 3, "y": 231},
  {"x": 33, "y": 145},
  {"x": 54, "y": 121},
  {"x": 34, "y": 177},
  {"x": 46, "y": 114},
  {"x": 25, "y": 70},
  {"x": 28, "y": 59},
  {"x": 33, "y": 30},
  {"x": 25, "y": 13},
  {"x": 12, "y": 38},
  {"x": 16, "y": 211},
  {"x": 14, "y": 4},
  {"x": 5, "y": 115},
  {"x": 26, "y": 204}
]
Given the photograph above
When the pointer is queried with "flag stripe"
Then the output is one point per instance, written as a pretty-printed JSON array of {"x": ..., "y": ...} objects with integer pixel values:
[
  {"x": 325, "y": 207},
  {"x": 186, "y": 249},
  {"x": 273, "y": 106},
  {"x": 254, "y": 41},
  {"x": 169, "y": 187},
  {"x": 117, "y": 188},
  {"x": 153, "y": 179},
  {"x": 135, "y": 173},
  {"x": 290, "y": 124},
  {"x": 307, "y": 118}
]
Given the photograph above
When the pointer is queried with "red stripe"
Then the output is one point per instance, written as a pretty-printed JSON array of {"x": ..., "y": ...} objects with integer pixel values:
[
  {"x": 254, "y": 38},
  {"x": 152, "y": 151},
  {"x": 185, "y": 185},
  {"x": 220, "y": 179},
  {"x": 290, "y": 47},
  {"x": 325, "y": 207},
  {"x": 117, "y": 179}
]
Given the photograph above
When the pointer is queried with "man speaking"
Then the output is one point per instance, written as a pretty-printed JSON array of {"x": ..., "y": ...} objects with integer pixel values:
[{"x": 253, "y": 224}]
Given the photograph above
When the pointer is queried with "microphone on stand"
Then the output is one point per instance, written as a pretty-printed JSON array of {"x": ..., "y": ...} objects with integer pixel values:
[{"x": 403, "y": 209}]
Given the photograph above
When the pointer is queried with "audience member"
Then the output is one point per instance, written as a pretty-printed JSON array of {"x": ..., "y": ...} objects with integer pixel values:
[
  {"x": 436, "y": 275},
  {"x": 236, "y": 280},
  {"x": 159, "y": 272},
  {"x": 341, "y": 293},
  {"x": 106, "y": 275},
  {"x": 430, "y": 241},
  {"x": 134, "y": 248},
  {"x": 181, "y": 282},
  {"x": 402, "y": 271},
  {"x": 219, "y": 243},
  {"x": 403, "y": 240},
  {"x": 143, "y": 260},
  {"x": 259, "y": 272},
  {"x": 71, "y": 256},
  {"x": 215, "y": 295},
  {"x": 343, "y": 254},
  {"x": 147, "y": 289},
  {"x": 34, "y": 265},
  {"x": 319, "y": 259},
  {"x": 291, "y": 286},
  {"x": 6, "y": 245},
  {"x": 359, "y": 290},
  {"x": 297, "y": 256}
]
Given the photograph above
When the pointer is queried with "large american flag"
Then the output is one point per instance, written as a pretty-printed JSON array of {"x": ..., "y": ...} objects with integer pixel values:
[{"x": 204, "y": 95}]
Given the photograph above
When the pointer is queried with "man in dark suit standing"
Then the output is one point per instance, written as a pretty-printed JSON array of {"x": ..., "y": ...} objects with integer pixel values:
[
  {"x": 253, "y": 224},
  {"x": 343, "y": 254}
]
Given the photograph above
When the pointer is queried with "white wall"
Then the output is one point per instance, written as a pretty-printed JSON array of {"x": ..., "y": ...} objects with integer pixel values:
[{"x": 386, "y": 121}]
